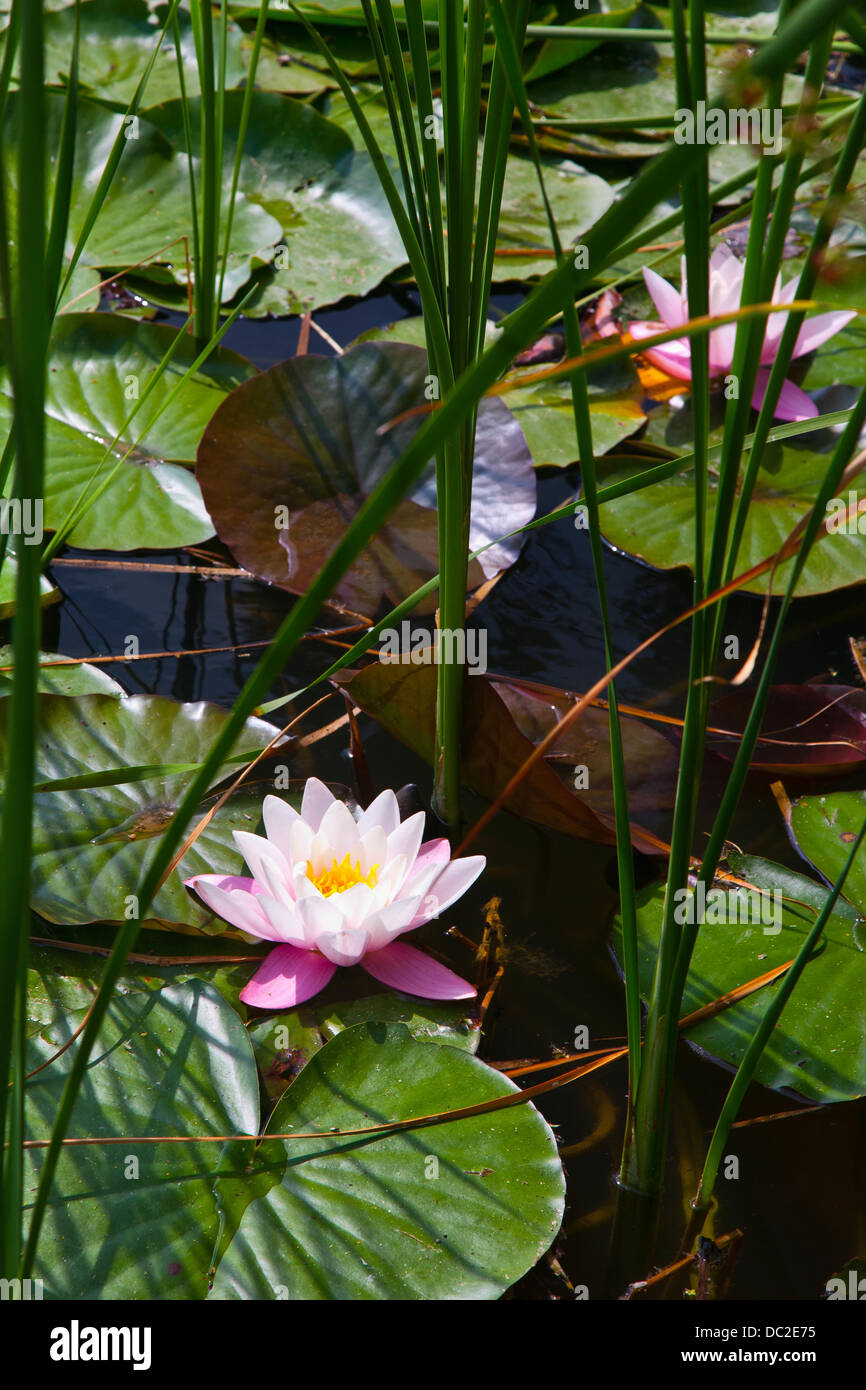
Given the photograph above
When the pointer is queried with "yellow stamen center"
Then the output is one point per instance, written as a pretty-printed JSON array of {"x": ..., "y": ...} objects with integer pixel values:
[{"x": 342, "y": 876}]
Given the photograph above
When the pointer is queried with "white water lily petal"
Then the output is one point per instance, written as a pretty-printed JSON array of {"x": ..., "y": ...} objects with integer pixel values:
[
  {"x": 343, "y": 947},
  {"x": 287, "y": 924},
  {"x": 783, "y": 294},
  {"x": 391, "y": 921},
  {"x": 243, "y": 910},
  {"x": 340, "y": 829},
  {"x": 279, "y": 817},
  {"x": 300, "y": 843},
  {"x": 666, "y": 299},
  {"x": 315, "y": 802},
  {"x": 406, "y": 839},
  {"x": 354, "y": 918},
  {"x": 318, "y": 915},
  {"x": 451, "y": 884},
  {"x": 266, "y": 864},
  {"x": 383, "y": 811},
  {"x": 390, "y": 879},
  {"x": 355, "y": 905},
  {"x": 418, "y": 885},
  {"x": 372, "y": 849}
]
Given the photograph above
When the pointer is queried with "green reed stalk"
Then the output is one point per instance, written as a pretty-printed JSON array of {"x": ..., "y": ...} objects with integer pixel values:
[
  {"x": 453, "y": 269},
  {"x": 568, "y": 33},
  {"x": 246, "y": 106},
  {"x": 646, "y": 1139},
  {"x": 760, "y": 272},
  {"x": 206, "y": 306},
  {"x": 26, "y": 332}
]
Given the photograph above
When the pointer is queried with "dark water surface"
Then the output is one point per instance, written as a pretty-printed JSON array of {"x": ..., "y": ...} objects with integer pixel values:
[{"x": 800, "y": 1197}]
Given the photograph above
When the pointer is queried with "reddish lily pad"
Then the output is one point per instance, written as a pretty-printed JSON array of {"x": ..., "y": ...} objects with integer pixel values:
[
  {"x": 501, "y": 722},
  {"x": 304, "y": 438},
  {"x": 807, "y": 728}
]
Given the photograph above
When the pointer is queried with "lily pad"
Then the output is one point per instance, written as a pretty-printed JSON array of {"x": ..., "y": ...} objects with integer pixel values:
[
  {"x": 302, "y": 170},
  {"x": 48, "y": 593},
  {"x": 823, "y": 829},
  {"x": 146, "y": 214},
  {"x": 578, "y": 199},
  {"x": 138, "y": 1221},
  {"x": 100, "y": 365},
  {"x": 818, "y": 1048},
  {"x": 93, "y": 845},
  {"x": 656, "y": 523},
  {"x": 629, "y": 86},
  {"x": 523, "y": 247},
  {"x": 745, "y": 17},
  {"x": 457, "y": 1211},
  {"x": 501, "y": 723},
  {"x": 78, "y": 679},
  {"x": 290, "y": 62},
  {"x": 307, "y": 434},
  {"x": 807, "y": 728},
  {"x": 285, "y": 1042},
  {"x": 336, "y": 11},
  {"x": 553, "y": 54},
  {"x": 117, "y": 39}
]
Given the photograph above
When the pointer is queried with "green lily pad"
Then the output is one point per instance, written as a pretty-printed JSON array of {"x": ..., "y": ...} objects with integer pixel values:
[
  {"x": 622, "y": 83},
  {"x": 290, "y": 62},
  {"x": 818, "y": 1048},
  {"x": 92, "y": 846},
  {"x": 138, "y": 1221},
  {"x": 457, "y": 1211},
  {"x": 307, "y": 433},
  {"x": 330, "y": 11},
  {"x": 302, "y": 170},
  {"x": 146, "y": 214},
  {"x": 524, "y": 248},
  {"x": 731, "y": 16},
  {"x": 100, "y": 365},
  {"x": 117, "y": 39},
  {"x": 823, "y": 829},
  {"x": 285, "y": 1042},
  {"x": 48, "y": 592},
  {"x": 577, "y": 198},
  {"x": 553, "y": 54},
  {"x": 546, "y": 415},
  {"x": 80, "y": 679}
]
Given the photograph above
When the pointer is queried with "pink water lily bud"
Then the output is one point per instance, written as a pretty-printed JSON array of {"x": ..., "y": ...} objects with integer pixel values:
[
  {"x": 726, "y": 287},
  {"x": 329, "y": 890}
]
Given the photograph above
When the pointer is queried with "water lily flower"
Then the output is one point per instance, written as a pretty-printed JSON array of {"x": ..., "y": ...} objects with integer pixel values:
[
  {"x": 331, "y": 890},
  {"x": 726, "y": 286}
]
